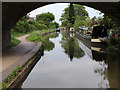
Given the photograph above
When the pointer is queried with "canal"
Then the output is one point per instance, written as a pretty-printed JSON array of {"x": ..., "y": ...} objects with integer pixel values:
[{"x": 68, "y": 63}]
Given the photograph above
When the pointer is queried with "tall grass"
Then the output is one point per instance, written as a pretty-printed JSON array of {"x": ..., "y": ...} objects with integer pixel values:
[{"x": 36, "y": 36}]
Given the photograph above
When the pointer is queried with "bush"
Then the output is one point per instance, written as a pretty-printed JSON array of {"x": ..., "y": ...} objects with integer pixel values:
[
  {"x": 114, "y": 42},
  {"x": 78, "y": 23},
  {"x": 14, "y": 41},
  {"x": 14, "y": 73},
  {"x": 41, "y": 27},
  {"x": 3, "y": 86},
  {"x": 37, "y": 35}
]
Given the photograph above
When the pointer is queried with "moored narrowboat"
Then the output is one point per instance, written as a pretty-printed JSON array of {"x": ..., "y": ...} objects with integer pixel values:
[{"x": 99, "y": 35}]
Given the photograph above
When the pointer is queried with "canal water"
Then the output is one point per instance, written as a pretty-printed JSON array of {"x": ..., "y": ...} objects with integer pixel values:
[{"x": 68, "y": 63}]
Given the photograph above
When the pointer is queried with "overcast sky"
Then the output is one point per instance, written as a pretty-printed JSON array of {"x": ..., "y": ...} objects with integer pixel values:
[{"x": 57, "y": 10}]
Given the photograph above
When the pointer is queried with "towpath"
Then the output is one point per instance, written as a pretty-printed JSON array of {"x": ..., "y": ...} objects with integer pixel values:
[{"x": 17, "y": 55}]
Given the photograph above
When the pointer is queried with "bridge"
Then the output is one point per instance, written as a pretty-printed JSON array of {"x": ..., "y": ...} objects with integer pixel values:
[{"x": 13, "y": 11}]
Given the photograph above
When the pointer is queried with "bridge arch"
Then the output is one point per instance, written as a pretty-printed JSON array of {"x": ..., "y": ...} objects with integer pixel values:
[{"x": 13, "y": 11}]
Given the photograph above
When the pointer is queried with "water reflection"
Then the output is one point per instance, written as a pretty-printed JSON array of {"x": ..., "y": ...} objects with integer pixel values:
[
  {"x": 71, "y": 47},
  {"x": 109, "y": 67},
  {"x": 95, "y": 69},
  {"x": 48, "y": 45}
]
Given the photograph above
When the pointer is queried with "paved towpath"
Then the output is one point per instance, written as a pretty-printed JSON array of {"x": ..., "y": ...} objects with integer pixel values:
[{"x": 14, "y": 55}]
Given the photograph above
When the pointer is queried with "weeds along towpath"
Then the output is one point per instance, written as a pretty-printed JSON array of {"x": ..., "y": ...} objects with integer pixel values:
[{"x": 14, "y": 55}]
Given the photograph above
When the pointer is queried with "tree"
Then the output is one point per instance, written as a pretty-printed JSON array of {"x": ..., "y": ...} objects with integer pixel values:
[
  {"x": 71, "y": 14},
  {"x": 87, "y": 22},
  {"x": 45, "y": 18},
  {"x": 53, "y": 25},
  {"x": 22, "y": 25},
  {"x": 56, "y": 24},
  {"x": 79, "y": 13}
]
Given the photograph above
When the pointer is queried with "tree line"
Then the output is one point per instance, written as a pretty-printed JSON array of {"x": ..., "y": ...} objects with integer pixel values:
[
  {"x": 75, "y": 16},
  {"x": 43, "y": 21}
]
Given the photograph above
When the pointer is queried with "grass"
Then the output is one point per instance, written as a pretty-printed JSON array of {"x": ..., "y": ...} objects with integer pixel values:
[
  {"x": 17, "y": 34},
  {"x": 36, "y": 36},
  {"x": 14, "y": 73},
  {"x": 4, "y": 85},
  {"x": 14, "y": 41}
]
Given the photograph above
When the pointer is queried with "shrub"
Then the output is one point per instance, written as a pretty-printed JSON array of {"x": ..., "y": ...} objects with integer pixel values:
[
  {"x": 3, "y": 86},
  {"x": 114, "y": 42},
  {"x": 14, "y": 73},
  {"x": 41, "y": 26},
  {"x": 14, "y": 41}
]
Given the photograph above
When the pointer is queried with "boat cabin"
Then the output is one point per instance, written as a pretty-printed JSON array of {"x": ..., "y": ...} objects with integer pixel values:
[{"x": 99, "y": 34}]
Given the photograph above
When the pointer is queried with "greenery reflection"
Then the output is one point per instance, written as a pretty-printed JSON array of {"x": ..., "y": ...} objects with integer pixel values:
[
  {"x": 48, "y": 45},
  {"x": 108, "y": 68},
  {"x": 71, "y": 46}
]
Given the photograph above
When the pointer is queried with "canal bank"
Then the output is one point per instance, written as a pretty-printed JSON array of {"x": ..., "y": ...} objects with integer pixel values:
[
  {"x": 36, "y": 52},
  {"x": 28, "y": 66}
]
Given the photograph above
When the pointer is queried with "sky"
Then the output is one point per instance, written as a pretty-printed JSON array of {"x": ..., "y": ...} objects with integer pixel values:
[{"x": 57, "y": 10}]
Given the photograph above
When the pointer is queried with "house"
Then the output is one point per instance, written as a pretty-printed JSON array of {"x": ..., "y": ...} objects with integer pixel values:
[{"x": 31, "y": 19}]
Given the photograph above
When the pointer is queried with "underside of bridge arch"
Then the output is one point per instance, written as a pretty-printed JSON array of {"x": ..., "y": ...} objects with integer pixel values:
[{"x": 13, "y": 11}]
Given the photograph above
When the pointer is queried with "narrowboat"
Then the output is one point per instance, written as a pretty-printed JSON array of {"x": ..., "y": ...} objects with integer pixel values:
[{"x": 99, "y": 36}]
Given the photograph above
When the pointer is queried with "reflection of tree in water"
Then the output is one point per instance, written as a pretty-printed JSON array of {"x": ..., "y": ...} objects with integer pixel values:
[
  {"x": 112, "y": 70},
  {"x": 71, "y": 47},
  {"x": 48, "y": 45},
  {"x": 108, "y": 69},
  {"x": 101, "y": 69}
]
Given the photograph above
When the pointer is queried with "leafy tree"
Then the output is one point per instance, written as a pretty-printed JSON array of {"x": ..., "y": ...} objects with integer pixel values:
[
  {"x": 108, "y": 22},
  {"x": 22, "y": 26},
  {"x": 45, "y": 17},
  {"x": 79, "y": 23},
  {"x": 87, "y": 22},
  {"x": 53, "y": 25},
  {"x": 79, "y": 13},
  {"x": 71, "y": 14},
  {"x": 56, "y": 24}
]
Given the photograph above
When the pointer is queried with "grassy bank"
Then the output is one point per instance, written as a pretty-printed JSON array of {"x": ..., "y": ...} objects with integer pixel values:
[
  {"x": 37, "y": 36},
  {"x": 18, "y": 34},
  {"x": 14, "y": 41}
]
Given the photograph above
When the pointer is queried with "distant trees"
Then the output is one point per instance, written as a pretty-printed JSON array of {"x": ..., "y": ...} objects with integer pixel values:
[
  {"x": 46, "y": 18},
  {"x": 23, "y": 26},
  {"x": 43, "y": 21},
  {"x": 73, "y": 13}
]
